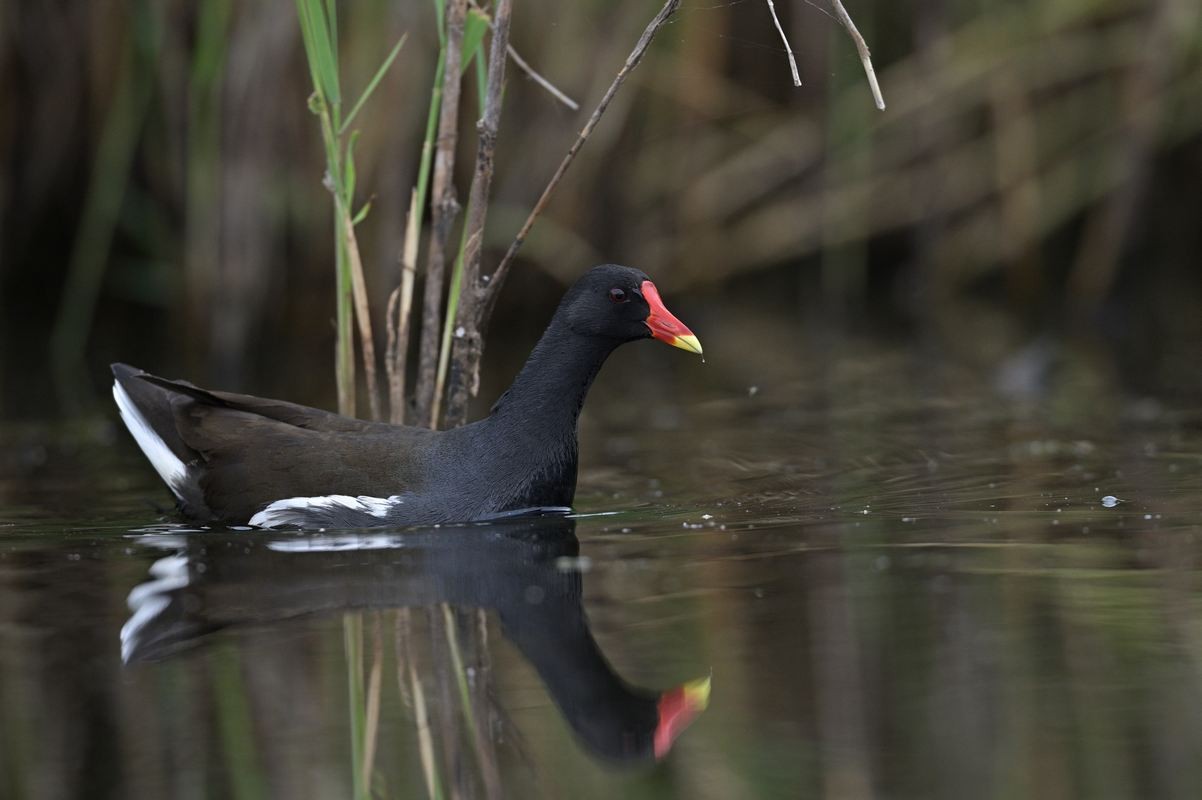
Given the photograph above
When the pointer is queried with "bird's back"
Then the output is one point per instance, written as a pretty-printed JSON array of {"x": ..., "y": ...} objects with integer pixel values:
[{"x": 228, "y": 457}]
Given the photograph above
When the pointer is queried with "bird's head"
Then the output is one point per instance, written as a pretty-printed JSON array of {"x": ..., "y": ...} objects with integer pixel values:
[{"x": 622, "y": 303}]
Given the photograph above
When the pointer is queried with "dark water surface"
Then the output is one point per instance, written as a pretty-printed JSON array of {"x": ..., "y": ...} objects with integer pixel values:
[{"x": 905, "y": 580}]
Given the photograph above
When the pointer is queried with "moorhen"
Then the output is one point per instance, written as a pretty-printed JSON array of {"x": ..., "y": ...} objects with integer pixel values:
[
  {"x": 241, "y": 459},
  {"x": 513, "y": 568}
]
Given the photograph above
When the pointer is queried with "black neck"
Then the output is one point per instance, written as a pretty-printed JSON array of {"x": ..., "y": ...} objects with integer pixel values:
[{"x": 548, "y": 393}]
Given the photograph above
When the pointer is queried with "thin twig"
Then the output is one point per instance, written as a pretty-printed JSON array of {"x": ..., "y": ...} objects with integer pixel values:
[
  {"x": 862, "y": 49},
  {"x": 479, "y": 293},
  {"x": 785, "y": 39},
  {"x": 529, "y": 70},
  {"x": 541, "y": 81},
  {"x": 477, "y": 208},
  {"x": 446, "y": 207},
  {"x": 632, "y": 61}
]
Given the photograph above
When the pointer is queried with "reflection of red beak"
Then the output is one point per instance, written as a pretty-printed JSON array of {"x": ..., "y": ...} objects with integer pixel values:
[
  {"x": 664, "y": 325},
  {"x": 679, "y": 707}
]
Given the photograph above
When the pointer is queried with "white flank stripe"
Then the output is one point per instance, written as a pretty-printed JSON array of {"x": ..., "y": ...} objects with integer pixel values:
[
  {"x": 335, "y": 544},
  {"x": 166, "y": 463},
  {"x": 299, "y": 510}
]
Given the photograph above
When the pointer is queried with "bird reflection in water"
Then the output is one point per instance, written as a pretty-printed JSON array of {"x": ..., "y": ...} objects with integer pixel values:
[{"x": 522, "y": 569}]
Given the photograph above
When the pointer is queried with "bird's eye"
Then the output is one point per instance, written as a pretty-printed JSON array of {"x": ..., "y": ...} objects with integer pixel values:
[{"x": 617, "y": 295}]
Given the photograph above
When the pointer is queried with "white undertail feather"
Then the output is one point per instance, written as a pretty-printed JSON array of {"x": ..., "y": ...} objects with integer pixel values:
[
  {"x": 148, "y": 600},
  {"x": 166, "y": 463},
  {"x": 298, "y": 510}
]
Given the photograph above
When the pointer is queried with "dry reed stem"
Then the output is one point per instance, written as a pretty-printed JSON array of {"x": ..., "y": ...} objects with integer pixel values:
[
  {"x": 421, "y": 719},
  {"x": 479, "y": 293},
  {"x": 400, "y": 307},
  {"x": 396, "y": 383},
  {"x": 400, "y": 646},
  {"x": 362, "y": 311},
  {"x": 463, "y": 379},
  {"x": 785, "y": 39},
  {"x": 372, "y": 724},
  {"x": 482, "y": 745},
  {"x": 445, "y": 208},
  {"x": 862, "y": 49}
]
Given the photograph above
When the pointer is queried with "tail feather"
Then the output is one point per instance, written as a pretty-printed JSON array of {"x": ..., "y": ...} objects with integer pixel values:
[{"x": 148, "y": 412}]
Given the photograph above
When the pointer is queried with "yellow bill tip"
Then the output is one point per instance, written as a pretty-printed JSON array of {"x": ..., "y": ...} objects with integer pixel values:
[
  {"x": 689, "y": 342},
  {"x": 697, "y": 693}
]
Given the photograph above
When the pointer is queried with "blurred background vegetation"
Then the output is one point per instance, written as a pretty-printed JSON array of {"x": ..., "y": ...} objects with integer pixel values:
[{"x": 1037, "y": 168}]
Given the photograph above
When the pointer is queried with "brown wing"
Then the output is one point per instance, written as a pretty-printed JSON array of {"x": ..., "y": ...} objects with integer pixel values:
[
  {"x": 251, "y": 451},
  {"x": 251, "y": 460}
]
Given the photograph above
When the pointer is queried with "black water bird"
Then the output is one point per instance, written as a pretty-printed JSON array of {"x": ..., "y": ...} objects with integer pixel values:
[
  {"x": 519, "y": 569},
  {"x": 242, "y": 459}
]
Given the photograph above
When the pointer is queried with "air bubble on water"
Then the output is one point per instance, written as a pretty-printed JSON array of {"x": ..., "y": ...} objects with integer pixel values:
[
  {"x": 752, "y": 391},
  {"x": 1110, "y": 501},
  {"x": 759, "y": 592},
  {"x": 1147, "y": 516},
  {"x": 460, "y": 332},
  {"x": 707, "y": 516}
]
